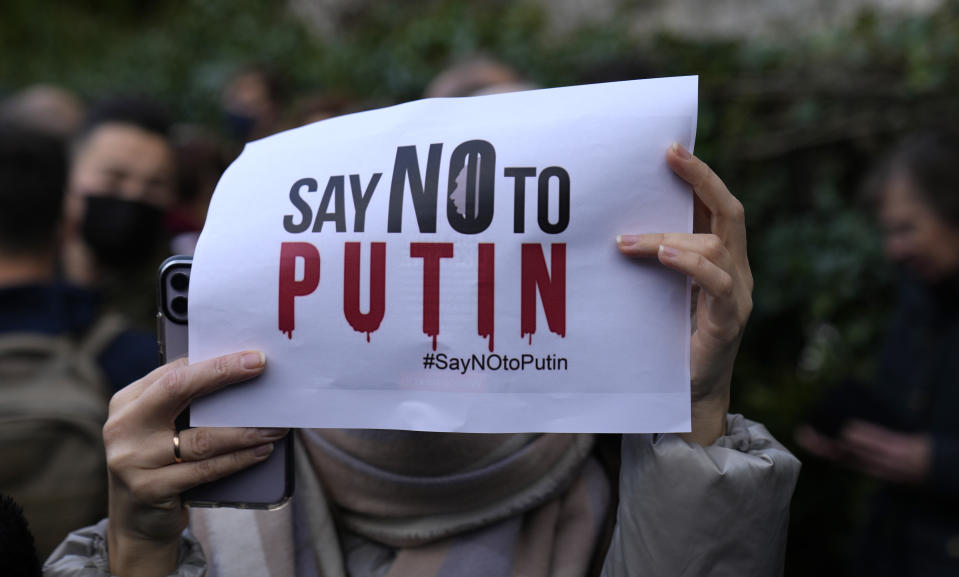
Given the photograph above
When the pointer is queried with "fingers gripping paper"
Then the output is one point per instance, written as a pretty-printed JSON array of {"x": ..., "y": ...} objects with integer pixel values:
[{"x": 450, "y": 265}]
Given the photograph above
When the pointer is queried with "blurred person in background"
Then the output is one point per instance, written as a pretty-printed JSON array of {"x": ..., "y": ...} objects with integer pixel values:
[
  {"x": 253, "y": 102},
  {"x": 902, "y": 429},
  {"x": 46, "y": 108},
  {"x": 122, "y": 182},
  {"x": 201, "y": 160},
  {"x": 60, "y": 360},
  {"x": 321, "y": 106},
  {"x": 476, "y": 76}
]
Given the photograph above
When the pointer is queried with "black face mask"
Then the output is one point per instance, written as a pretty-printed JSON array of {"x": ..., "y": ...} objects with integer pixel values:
[{"x": 122, "y": 232}]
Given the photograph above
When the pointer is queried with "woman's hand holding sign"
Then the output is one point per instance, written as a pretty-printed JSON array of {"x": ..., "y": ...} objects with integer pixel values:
[
  {"x": 148, "y": 471},
  {"x": 715, "y": 257}
]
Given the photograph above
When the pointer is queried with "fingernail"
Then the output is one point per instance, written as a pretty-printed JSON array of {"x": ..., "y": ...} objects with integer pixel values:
[
  {"x": 253, "y": 360},
  {"x": 627, "y": 239},
  {"x": 667, "y": 251},
  {"x": 263, "y": 450},
  {"x": 681, "y": 151},
  {"x": 271, "y": 433}
]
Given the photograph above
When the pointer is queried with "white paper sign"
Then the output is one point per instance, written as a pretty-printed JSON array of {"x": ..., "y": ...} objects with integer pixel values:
[{"x": 451, "y": 265}]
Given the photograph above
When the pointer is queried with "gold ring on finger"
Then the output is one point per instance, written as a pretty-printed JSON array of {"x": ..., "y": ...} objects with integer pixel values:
[{"x": 176, "y": 447}]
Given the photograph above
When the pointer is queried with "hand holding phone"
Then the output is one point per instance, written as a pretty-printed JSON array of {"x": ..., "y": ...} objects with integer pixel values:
[
  {"x": 145, "y": 478},
  {"x": 265, "y": 485}
]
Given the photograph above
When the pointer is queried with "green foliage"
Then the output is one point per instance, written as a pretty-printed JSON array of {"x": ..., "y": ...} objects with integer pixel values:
[{"x": 791, "y": 128}]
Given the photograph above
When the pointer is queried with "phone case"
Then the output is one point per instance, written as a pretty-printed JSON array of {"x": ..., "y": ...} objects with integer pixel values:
[{"x": 266, "y": 485}]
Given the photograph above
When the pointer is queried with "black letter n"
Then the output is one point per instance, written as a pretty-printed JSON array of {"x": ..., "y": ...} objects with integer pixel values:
[{"x": 407, "y": 168}]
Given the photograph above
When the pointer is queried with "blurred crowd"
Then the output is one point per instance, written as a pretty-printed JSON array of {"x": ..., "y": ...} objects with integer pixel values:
[{"x": 93, "y": 196}]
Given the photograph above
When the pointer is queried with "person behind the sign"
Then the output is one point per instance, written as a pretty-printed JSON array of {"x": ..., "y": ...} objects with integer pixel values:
[
  {"x": 902, "y": 428},
  {"x": 712, "y": 501}
]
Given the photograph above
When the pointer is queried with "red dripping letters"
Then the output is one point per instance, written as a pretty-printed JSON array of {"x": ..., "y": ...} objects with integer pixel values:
[
  {"x": 370, "y": 321},
  {"x": 431, "y": 253},
  {"x": 535, "y": 278},
  {"x": 290, "y": 287},
  {"x": 485, "y": 281},
  {"x": 550, "y": 284}
]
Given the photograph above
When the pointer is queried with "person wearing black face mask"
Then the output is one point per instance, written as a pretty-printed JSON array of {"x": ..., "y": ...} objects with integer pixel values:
[
  {"x": 122, "y": 180},
  {"x": 120, "y": 231}
]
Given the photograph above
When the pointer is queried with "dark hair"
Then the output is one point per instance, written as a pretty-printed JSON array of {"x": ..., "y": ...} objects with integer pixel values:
[
  {"x": 133, "y": 110},
  {"x": 33, "y": 175},
  {"x": 17, "y": 548},
  {"x": 930, "y": 160}
]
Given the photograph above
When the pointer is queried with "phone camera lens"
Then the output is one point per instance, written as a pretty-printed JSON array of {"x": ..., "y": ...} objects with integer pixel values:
[
  {"x": 178, "y": 306},
  {"x": 179, "y": 281}
]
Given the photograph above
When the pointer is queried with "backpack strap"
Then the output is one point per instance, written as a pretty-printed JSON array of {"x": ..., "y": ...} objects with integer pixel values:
[
  {"x": 62, "y": 352},
  {"x": 33, "y": 343},
  {"x": 104, "y": 331}
]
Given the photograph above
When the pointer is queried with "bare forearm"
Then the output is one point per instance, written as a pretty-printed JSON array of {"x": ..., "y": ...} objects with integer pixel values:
[
  {"x": 133, "y": 557},
  {"x": 708, "y": 421}
]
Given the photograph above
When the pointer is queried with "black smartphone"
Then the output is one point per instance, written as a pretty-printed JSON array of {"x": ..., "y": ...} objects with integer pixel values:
[{"x": 266, "y": 485}]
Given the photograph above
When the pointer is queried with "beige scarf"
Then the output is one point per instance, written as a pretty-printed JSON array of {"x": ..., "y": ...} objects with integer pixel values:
[{"x": 397, "y": 504}]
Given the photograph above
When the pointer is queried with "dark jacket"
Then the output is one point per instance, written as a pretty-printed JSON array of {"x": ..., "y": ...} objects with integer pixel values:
[
  {"x": 59, "y": 309},
  {"x": 914, "y": 530}
]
